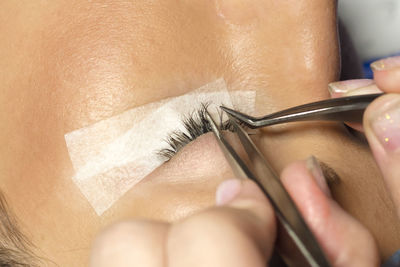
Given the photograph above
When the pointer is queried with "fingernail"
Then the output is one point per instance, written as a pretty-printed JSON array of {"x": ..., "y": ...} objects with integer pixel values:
[
  {"x": 370, "y": 89},
  {"x": 315, "y": 170},
  {"x": 386, "y": 125},
  {"x": 386, "y": 64},
  {"x": 343, "y": 87},
  {"x": 227, "y": 191}
]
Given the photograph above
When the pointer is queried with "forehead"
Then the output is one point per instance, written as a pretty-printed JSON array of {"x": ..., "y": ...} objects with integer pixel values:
[{"x": 124, "y": 54}]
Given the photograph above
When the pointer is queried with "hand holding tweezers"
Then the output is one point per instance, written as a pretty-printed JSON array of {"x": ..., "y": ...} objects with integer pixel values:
[
  {"x": 344, "y": 109},
  {"x": 264, "y": 176}
]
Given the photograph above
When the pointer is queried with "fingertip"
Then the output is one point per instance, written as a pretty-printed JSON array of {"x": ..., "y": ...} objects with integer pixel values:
[
  {"x": 227, "y": 191},
  {"x": 370, "y": 89},
  {"x": 381, "y": 122},
  {"x": 252, "y": 190},
  {"x": 244, "y": 194},
  {"x": 129, "y": 242},
  {"x": 388, "y": 80},
  {"x": 234, "y": 190},
  {"x": 241, "y": 229},
  {"x": 357, "y": 86},
  {"x": 251, "y": 197},
  {"x": 345, "y": 241},
  {"x": 311, "y": 200},
  {"x": 387, "y": 74},
  {"x": 377, "y": 119}
]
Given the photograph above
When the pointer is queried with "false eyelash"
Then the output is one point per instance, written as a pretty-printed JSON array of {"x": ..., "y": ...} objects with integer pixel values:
[{"x": 196, "y": 124}]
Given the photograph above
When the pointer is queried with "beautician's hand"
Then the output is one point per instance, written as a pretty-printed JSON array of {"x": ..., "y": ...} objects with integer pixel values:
[
  {"x": 240, "y": 230},
  {"x": 381, "y": 119}
]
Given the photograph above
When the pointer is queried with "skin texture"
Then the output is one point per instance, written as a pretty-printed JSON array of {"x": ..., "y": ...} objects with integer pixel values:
[{"x": 67, "y": 64}]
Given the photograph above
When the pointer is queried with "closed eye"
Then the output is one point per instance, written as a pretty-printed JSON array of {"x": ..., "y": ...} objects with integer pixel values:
[{"x": 195, "y": 125}]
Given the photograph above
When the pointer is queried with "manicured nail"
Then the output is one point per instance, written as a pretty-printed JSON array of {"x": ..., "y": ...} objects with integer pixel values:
[
  {"x": 386, "y": 64},
  {"x": 343, "y": 87},
  {"x": 370, "y": 89},
  {"x": 227, "y": 191},
  {"x": 386, "y": 125},
  {"x": 315, "y": 170}
]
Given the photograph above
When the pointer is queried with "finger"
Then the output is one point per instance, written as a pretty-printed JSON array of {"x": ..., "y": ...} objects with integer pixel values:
[
  {"x": 382, "y": 129},
  {"x": 239, "y": 232},
  {"x": 345, "y": 241},
  {"x": 353, "y": 87},
  {"x": 130, "y": 243},
  {"x": 387, "y": 74}
]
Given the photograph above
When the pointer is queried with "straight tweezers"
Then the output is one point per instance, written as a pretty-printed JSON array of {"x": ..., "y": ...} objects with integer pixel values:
[{"x": 264, "y": 176}]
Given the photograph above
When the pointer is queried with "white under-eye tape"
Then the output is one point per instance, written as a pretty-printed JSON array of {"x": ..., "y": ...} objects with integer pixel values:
[{"x": 111, "y": 156}]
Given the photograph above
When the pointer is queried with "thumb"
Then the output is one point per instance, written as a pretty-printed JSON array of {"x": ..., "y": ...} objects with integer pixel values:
[
  {"x": 240, "y": 231},
  {"x": 382, "y": 129}
]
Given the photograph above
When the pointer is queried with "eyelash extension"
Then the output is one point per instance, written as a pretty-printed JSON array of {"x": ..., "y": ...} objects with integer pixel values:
[{"x": 196, "y": 124}]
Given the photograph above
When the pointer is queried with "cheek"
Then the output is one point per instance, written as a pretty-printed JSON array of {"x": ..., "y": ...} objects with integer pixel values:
[{"x": 168, "y": 197}]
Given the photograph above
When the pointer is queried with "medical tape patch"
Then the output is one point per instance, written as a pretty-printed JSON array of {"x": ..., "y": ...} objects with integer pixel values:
[{"x": 112, "y": 155}]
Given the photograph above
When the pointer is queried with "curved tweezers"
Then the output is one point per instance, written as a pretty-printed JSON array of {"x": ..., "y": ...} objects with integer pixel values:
[{"x": 348, "y": 109}]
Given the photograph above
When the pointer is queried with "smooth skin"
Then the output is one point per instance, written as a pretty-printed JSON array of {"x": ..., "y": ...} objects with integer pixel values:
[{"x": 65, "y": 65}]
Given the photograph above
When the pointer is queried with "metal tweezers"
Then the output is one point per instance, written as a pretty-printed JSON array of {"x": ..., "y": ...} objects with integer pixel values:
[
  {"x": 261, "y": 172},
  {"x": 345, "y": 109}
]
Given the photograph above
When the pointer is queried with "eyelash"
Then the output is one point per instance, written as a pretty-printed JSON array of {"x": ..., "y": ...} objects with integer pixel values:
[{"x": 196, "y": 125}]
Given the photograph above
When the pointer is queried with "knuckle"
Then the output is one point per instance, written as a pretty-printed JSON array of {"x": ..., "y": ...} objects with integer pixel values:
[
  {"x": 117, "y": 231},
  {"x": 217, "y": 224},
  {"x": 202, "y": 224}
]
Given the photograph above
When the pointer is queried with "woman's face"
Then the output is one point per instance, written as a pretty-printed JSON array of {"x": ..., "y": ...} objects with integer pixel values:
[{"x": 65, "y": 65}]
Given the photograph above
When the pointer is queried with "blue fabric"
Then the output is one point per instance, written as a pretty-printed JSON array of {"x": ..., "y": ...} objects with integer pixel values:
[
  {"x": 393, "y": 261},
  {"x": 367, "y": 69}
]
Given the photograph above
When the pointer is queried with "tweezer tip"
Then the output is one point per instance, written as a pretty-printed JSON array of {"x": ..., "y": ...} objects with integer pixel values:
[
  {"x": 233, "y": 114},
  {"x": 212, "y": 123},
  {"x": 227, "y": 110}
]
